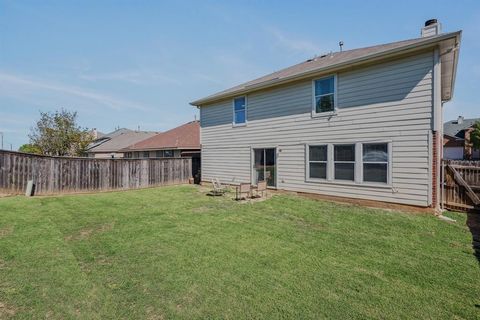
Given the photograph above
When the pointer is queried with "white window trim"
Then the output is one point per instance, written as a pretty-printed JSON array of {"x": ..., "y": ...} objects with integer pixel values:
[
  {"x": 316, "y": 114},
  {"x": 389, "y": 164},
  {"x": 234, "y": 124},
  {"x": 358, "y": 174},
  {"x": 355, "y": 161},
  {"x": 307, "y": 157}
]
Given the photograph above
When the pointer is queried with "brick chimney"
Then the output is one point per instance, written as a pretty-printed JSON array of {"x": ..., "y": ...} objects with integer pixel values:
[{"x": 432, "y": 28}]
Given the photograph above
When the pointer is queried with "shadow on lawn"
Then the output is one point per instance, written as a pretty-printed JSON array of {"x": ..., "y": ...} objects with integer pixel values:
[{"x": 473, "y": 223}]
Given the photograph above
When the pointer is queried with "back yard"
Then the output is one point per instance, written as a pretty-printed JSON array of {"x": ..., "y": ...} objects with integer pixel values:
[{"x": 175, "y": 253}]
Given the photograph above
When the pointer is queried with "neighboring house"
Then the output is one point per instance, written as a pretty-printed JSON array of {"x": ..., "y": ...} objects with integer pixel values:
[
  {"x": 109, "y": 145},
  {"x": 363, "y": 123},
  {"x": 182, "y": 141},
  {"x": 456, "y": 140}
]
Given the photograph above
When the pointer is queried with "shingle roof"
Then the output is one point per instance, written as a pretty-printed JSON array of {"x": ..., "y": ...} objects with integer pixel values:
[
  {"x": 119, "y": 139},
  {"x": 454, "y": 129},
  {"x": 186, "y": 136},
  {"x": 323, "y": 62}
]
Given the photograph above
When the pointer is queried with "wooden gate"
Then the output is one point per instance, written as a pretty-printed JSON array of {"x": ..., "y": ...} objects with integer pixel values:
[{"x": 461, "y": 185}]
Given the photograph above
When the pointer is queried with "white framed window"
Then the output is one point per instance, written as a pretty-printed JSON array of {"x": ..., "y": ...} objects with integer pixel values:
[
  {"x": 324, "y": 95},
  {"x": 357, "y": 163},
  {"x": 146, "y": 154},
  {"x": 375, "y": 161},
  {"x": 344, "y": 162},
  {"x": 317, "y": 161},
  {"x": 240, "y": 110}
]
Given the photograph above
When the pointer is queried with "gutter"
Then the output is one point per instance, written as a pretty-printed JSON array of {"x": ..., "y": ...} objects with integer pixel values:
[
  {"x": 160, "y": 149},
  {"x": 380, "y": 55},
  {"x": 456, "y": 54}
]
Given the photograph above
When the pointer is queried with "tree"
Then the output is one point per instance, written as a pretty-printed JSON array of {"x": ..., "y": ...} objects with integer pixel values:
[
  {"x": 57, "y": 134},
  {"x": 30, "y": 148},
  {"x": 475, "y": 135}
]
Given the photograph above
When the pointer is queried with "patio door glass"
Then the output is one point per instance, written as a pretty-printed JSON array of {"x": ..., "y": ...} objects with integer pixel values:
[{"x": 264, "y": 166}]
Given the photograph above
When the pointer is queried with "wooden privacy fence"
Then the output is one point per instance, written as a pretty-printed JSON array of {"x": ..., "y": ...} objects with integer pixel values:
[
  {"x": 52, "y": 175},
  {"x": 461, "y": 185}
]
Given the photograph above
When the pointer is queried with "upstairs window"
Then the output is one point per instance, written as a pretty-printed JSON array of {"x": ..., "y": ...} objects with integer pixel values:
[
  {"x": 344, "y": 161},
  {"x": 324, "y": 95},
  {"x": 240, "y": 110},
  {"x": 317, "y": 159},
  {"x": 375, "y": 162}
]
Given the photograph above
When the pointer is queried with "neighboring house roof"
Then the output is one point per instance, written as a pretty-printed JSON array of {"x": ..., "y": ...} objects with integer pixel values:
[
  {"x": 118, "y": 139},
  {"x": 105, "y": 137},
  {"x": 186, "y": 136},
  {"x": 341, "y": 60},
  {"x": 455, "y": 128}
]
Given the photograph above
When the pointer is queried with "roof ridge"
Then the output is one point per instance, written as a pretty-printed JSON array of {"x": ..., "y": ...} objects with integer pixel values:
[{"x": 337, "y": 59}]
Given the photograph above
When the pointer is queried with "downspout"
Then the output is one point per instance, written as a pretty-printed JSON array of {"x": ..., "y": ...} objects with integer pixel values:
[{"x": 437, "y": 124}]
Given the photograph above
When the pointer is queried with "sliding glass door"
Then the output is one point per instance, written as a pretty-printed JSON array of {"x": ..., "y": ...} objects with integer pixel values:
[{"x": 264, "y": 166}]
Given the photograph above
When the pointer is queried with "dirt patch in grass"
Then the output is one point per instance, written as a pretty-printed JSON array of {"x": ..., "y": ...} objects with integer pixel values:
[
  {"x": 86, "y": 233},
  {"x": 203, "y": 209},
  {"x": 152, "y": 314},
  {"x": 188, "y": 298},
  {"x": 6, "y": 231},
  {"x": 303, "y": 224},
  {"x": 6, "y": 311}
]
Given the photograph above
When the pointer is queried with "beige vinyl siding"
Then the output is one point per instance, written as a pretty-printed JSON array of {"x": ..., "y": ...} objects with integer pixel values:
[
  {"x": 107, "y": 155},
  {"x": 386, "y": 102},
  {"x": 221, "y": 113}
]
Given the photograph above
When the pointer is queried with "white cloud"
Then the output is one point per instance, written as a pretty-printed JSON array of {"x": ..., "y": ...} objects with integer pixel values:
[
  {"x": 292, "y": 43},
  {"x": 9, "y": 119},
  {"x": 206, "y": 77},
  {"x": 21, "y": 87},
  {"x": 234, "y": 69},
  {"x": 134, "y": 76}
]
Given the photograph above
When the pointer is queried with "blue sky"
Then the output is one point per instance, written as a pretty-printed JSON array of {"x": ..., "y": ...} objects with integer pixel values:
[{"x": 139, "y": 63}]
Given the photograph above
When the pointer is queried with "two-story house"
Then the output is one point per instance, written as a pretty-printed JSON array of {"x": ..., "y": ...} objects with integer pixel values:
[{"x": 363, "y": 123}]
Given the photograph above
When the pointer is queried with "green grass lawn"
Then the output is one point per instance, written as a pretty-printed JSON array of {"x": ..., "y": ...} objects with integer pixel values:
[{"x": 173, "y": 252}]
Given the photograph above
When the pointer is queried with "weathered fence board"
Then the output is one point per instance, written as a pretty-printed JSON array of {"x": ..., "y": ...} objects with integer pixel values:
[
  {"x": 461, "y": 185},
  {"x": 53, "y": 175}
]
